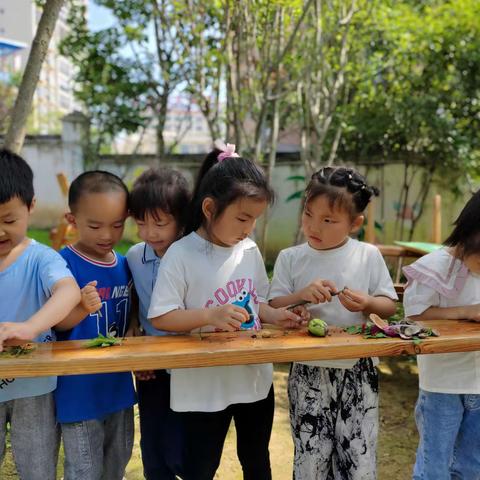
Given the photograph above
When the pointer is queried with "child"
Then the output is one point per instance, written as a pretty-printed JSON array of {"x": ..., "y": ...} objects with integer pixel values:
[
  {"x": 95, "y": 411},
  {"x": 37, "y": 292},
  {"x": 158, "y": 202},
  {"x": 445, "y": 284},
  {"x": 334, "y": 404},
  {"x": 214, "y": 279}
]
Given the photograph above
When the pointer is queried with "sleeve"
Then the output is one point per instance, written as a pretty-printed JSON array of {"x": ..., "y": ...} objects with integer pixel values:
[
  {"x": 282, "y": 283},
  {"x": 381, "y": 284},
  {"x": 170, "y": 286},
  {"x": 418, "y": 298},
  {"x": 261, "y": 279},
  {"x": 52, "y": 269}
]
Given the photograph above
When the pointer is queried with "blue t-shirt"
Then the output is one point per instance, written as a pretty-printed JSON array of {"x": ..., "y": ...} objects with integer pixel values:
[
  {"x": 25, "y": 286},
  {"x": 87, "y": 397},
  {"x": 144, "y": 263}
]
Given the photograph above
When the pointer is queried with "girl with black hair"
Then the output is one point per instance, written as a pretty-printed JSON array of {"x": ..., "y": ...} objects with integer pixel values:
[
  {"x": 445, "y": 284},
  {"x": 334, "y": 404},
  {"x": 214, "y": 279}
]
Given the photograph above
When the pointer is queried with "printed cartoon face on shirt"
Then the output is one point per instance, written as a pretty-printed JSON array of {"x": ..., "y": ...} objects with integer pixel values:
[
  {"x": 240, "y": 292},
  {"x": 243, "y": 300}
]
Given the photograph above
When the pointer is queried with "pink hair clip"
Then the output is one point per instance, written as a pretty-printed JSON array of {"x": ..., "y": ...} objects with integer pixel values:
[{"x": 228, "y": 151}]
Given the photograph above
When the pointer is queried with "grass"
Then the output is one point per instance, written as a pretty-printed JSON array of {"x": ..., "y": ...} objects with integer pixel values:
[{"x": 397, "y": 439}]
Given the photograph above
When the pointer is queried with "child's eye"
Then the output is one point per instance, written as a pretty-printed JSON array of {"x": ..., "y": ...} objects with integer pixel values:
[
  {"x": 118, "y": 225},
  {"x": 9, "y": 222},
  {"x": 241, "y": 219},
  {"x": 93, "y": 227}
]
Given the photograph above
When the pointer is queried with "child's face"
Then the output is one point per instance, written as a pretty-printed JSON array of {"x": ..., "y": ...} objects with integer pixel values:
[
  {"x": 236, "y": 222},
  {"x": 99, "y": 219},
  {"x": 14, "y": 216},
  {"x": 324, "y": 227},
  {"x": 159, "y": 231},
  {"x": 472, "y": 262}
]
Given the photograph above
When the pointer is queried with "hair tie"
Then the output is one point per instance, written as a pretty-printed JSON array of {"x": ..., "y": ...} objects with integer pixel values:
[{"x": 228, "y": 151}]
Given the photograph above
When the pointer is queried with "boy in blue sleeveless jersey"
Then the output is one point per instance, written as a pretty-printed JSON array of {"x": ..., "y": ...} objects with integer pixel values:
[
  {"x": 96, "y": 411},
  {"x": 38, "y": 291}
]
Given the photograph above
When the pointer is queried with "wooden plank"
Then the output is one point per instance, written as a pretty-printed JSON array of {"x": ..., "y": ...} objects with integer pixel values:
[{"x": 269, "y": 345}]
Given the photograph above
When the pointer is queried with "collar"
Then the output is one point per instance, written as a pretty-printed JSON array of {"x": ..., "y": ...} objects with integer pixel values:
[{"x": 149, "y": 254}]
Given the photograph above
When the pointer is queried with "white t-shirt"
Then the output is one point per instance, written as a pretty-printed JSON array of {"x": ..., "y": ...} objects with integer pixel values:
[
  {"x": 195, "y": 273},
  {"x": 356, "y": 265},
  {"x": 441, "y": 272}
]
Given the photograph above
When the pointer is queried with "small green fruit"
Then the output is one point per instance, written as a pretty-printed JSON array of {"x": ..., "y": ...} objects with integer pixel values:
[{"x": 317, "y": 327}]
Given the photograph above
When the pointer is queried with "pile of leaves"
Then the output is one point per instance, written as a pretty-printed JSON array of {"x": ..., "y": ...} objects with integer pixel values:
[
  {"x": 103, "y": 341},
  {"x": 17, "y": 350},
  {"x": 406, "y": 329}
]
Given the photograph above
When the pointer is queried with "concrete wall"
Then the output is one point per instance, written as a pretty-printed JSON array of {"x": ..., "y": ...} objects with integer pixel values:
[{"x": 49, "y": 155}]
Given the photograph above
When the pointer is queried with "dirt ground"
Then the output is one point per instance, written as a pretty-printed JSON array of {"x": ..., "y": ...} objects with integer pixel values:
[{"x": 396, "y": 443}]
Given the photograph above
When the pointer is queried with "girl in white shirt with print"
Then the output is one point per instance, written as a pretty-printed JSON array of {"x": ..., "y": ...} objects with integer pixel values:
[
  {"x": 334, "y": 404},
  {"x": 446, "y": 284},
  {"x": 214, "y": 279}
]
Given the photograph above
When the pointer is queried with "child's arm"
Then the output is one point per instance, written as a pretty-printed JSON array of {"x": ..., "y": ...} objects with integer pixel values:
[
  {"x": 470, "y": 312},
  {"x": 318, "y": 291},
  {"x": 65, "y": 295},
  {"x": 227, "y": 317},
  {"x": 356, "y": 301},
  {"x": 134, "y": 329},
  {"x": 90, "y": 302}
]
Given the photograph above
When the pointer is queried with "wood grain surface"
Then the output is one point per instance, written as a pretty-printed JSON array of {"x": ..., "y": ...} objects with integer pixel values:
[{"x": 268, "y": 345}]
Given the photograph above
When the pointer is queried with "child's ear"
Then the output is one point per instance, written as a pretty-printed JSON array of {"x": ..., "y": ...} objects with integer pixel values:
[
  {"x": 357, "y": 223},
  {"x": 31, "y": 208},
  {"x": 208, "y": 208},
  {"x": 70, "y": 218}
]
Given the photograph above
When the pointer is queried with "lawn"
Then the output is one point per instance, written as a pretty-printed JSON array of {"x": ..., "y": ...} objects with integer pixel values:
[{"x": 396, "y": 443}]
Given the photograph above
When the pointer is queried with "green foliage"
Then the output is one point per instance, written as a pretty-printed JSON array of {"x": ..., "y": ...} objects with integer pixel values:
[{"x": 419, "y": 97}]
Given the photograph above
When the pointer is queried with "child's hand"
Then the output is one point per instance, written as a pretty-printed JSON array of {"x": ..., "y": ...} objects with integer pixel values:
[
  {"x": 227, "y": 317},
  {"x": 134, "y": 330},
  {"x": 472, "y": 312},
  {"x": 280, "y": 316},
  {"x": 354, "y": 300},
  {"x": 302, "y": 312},
  {"x": 19, "y": 331},
  {"x": 318, "y": 291},
  {"x": 91, "y": 301},
  {"x": 145, "y": 375}
]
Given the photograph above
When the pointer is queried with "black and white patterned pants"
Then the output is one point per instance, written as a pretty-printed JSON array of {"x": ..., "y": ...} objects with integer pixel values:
[{"x": 334, "y": 421}]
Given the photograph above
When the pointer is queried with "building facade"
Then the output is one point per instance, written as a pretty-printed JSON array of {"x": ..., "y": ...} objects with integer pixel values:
[{"x": 54, "y": 94}]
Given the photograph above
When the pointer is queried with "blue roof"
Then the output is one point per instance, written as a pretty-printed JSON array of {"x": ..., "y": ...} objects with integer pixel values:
[{"x": 7, "y": 47}]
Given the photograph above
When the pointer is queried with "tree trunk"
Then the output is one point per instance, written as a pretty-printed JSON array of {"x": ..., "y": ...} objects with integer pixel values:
[{"x": 23, "y": 104}]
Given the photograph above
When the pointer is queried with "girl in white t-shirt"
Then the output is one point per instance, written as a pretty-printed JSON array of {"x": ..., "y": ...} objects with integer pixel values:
[
  {"x": 334, "y": 404},
  {"x": 214, "y": 279},
  {"x": 445, "y": 284}
]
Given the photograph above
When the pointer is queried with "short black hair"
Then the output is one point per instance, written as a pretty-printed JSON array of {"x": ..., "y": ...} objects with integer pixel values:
[
  {"x": 16, "y": 178},
  {"x": 226, "y": 181},
  {"x": 344, "y": 187},
  {"x": 160, "y": 188},
  {"x": 465, "y": 237},
  {"x": 94, "y": 181}
]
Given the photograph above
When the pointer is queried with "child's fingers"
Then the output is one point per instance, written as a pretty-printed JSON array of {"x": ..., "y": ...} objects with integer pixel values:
[
  {"x": 93, "y": 283},
  {"x": 330, "y": 285},
  {"x": 240, "y": 313}
]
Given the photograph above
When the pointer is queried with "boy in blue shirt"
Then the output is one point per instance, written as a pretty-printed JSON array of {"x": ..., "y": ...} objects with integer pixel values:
[
  {"x": 96, "y": 411},
  {"x": 37, "y": 292},
  {"x": 158, "y": 202}
]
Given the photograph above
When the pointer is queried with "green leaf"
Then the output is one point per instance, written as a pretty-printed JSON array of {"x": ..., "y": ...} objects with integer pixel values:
[{"x": 294, "y": 196}]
